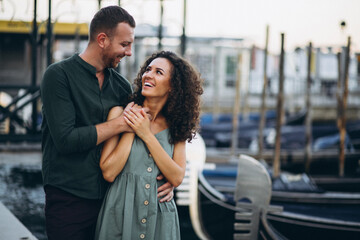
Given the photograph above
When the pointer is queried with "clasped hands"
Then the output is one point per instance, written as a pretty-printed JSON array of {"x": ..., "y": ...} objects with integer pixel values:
[{"x": 138, "y": 119}]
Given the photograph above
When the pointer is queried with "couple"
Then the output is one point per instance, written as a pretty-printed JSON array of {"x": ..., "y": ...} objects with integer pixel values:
[{"x": 85, "y": 104}]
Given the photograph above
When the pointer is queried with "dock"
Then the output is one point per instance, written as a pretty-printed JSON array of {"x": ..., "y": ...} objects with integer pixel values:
[
  {"x": 219, "y": 155},
  {"x": 11, "y": 228}
]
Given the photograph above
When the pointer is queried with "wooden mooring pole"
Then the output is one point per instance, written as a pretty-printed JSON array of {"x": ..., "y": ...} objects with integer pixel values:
[
  {"x": 216, "y": 89},
  {"x": 236, "y": 108},
  {"x": 342, "y": 94},
  {"x": 263, "y": 97},
  {"x": 183, "y": 35},
  {"x": 34, "y": 59},
  {"x": 308, "y": 119},
  {"x": 160, "y": 29},
  {"x": 49, "y": 35},
  {"x": 279, "y": 112}
]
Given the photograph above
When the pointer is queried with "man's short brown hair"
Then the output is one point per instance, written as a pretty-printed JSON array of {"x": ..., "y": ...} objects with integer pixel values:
[{"x": 107, "y": 19}]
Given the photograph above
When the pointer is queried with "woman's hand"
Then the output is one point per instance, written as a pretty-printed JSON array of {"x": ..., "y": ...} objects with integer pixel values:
[{"x": 139, "y": 121}]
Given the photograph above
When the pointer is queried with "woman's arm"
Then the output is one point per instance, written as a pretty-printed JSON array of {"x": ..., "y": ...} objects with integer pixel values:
[
  {"x": 172, "y": 168},
  {"x": 115, "y": 152}
]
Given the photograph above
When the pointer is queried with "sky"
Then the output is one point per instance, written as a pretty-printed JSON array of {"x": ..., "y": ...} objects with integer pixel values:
[{"x": 301, "y": 21}]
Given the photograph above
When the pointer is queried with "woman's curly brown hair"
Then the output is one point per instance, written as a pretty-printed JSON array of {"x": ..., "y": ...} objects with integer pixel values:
[{"x": 182, "y": 109}]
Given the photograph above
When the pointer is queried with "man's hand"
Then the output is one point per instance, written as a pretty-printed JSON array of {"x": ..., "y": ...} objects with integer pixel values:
[
  {"x": 130, "y": 107},
  {"x": 116, "y": 124},
  {"x": 166, "y": 190}
]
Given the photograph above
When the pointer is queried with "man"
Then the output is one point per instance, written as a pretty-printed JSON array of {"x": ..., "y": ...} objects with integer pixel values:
[{"x": 77, "y": 94}]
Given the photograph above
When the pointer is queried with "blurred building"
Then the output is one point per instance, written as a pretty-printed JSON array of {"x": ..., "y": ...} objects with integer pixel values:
[
  {"x": 16, "y": 44},
  {"x": 221, "y": 62}
]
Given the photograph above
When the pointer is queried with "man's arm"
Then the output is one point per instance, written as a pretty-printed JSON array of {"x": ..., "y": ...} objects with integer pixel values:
[
  {"x": 113, "y": 127},
  {"x": 60, "y": 116}
]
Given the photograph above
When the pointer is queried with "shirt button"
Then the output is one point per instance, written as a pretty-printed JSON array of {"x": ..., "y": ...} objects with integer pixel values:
[
  {"x": 142, "y": 236},
  {"x": 146, "y": 202},
  {"x": 149, "y": 169},
  {"x": 150, "y": 155},
  {"x": 147, "y": 186},
  {"x": 143, "y": 220}
]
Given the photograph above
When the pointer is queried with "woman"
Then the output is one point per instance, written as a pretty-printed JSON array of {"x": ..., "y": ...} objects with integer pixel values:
[{"x": 170, "y": 89}]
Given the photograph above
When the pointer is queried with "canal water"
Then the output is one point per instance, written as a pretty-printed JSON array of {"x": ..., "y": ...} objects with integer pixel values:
[{"x": 21, "y": 191}]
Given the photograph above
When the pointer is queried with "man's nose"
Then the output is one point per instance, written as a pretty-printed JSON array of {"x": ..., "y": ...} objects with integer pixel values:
[{"x": 128, "y": 51}]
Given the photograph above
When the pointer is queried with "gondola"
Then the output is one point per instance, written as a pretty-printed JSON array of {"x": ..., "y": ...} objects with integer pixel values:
[
  {"x": 300, "y": 213},
  {"x": 229, "y": 223},
  {"x": 308, "y": 212},
  {"x": 324, "y": 136}
]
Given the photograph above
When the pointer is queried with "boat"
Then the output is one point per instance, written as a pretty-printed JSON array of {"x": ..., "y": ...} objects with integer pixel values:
[
  {"x": 227, "y": 223},
  {"x": 218, "y": 133},
  {"x": 308, "y": 212},
  {"x": 296, "y": 207},
  {"x": 325, "y": 135}
]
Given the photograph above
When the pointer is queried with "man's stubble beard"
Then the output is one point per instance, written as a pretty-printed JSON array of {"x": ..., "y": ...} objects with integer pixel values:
[{"x": 108, "y": 61}]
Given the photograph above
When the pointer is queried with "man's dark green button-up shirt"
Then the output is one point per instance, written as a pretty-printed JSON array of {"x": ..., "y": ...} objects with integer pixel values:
[{"x": 73, "y": 104}]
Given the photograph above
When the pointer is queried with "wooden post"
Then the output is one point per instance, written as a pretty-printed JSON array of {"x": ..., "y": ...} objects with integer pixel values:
[
  {"x": 339, "y": 94},
  {"x": 216, "y": 86},
  {"x": 338, "y": 90},
  {"x": 160, "y": 32},
  {"x": 245, "y": 108},
  {"x": 118, "y": 69},
  {"x": 342, "y": 109},
  {"x": 34, "y": 60},
  {"x": 236, "y": 108},
  {"x": 263, "y": 97},
  {"x": 308, "y": 119},
  {"x": 183, "y": 36},
  {"x": 49, "y": 37},
  {"x": 279, "y": 110}
]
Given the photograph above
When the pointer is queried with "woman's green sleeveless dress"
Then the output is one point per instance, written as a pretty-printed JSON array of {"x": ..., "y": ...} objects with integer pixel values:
[{"x": 131, "y": 208}]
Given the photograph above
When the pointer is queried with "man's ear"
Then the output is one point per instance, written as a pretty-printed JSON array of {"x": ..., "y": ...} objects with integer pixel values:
[{"x": 102, "y": 40}]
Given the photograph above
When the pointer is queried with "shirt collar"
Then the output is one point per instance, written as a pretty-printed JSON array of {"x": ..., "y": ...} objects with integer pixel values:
[
  {"x": 84, "y": 64},
  {"x": 88, "y": 66}
]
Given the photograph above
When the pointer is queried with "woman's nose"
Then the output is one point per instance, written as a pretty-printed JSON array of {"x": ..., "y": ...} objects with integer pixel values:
[{"x": 149, "y": 74}]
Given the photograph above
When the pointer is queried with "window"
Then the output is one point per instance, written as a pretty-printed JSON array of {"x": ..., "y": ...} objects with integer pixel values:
[
  {"x": 204, "y": 64},
  {"x": 231, "y": 66}
]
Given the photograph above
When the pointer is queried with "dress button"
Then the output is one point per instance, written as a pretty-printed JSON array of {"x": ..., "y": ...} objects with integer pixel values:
[
  {"x": 142, "y": 236},
  {"x": 146, "y": 202},
  {"x": 147, "y": 186},
  {"x": 149, "y": 169},
  {"x": 143, "y": 220}
]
